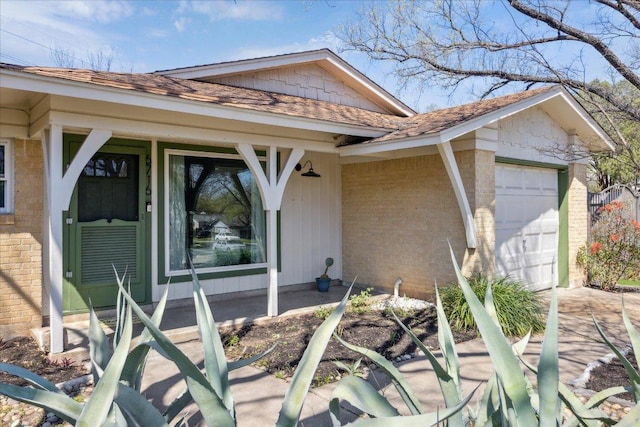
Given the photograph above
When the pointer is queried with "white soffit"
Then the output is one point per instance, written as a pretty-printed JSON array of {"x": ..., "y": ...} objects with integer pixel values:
[{"x": 326, "y": 59}]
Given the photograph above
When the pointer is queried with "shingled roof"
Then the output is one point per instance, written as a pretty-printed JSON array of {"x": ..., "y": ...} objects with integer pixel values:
[
  {"x": 219, "y": 94},
  {"x": 440, "y": 120},
  {"x": 271, "y": 102}
]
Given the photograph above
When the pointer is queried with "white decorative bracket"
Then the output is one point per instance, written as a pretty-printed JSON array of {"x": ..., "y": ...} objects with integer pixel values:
[
  {"x": 271, "y": 188},
  {"x": 446, "y": 152},
  {"x": 60, "y": 186}
]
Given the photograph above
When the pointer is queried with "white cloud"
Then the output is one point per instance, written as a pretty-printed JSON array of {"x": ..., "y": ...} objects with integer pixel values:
[
  {"x": 100, "y": 10},
  {"x": 157, "y": 33},
  {"x": 180, "y": 23},
  {"x": 234, "y": 10},
  {"x": 33, "y": 29},
  {"x": 327, "y": 40}
]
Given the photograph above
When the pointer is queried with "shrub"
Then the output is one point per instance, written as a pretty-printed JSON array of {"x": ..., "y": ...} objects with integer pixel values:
[
  {"x": 614, "y": 250},
  {"x": 519, "y": 309},
  {"x": 361, "y": 303},
  {"x": 323, "y": 312}
]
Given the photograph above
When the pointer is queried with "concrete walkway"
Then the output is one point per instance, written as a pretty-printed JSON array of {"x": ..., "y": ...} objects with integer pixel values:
[{"x": 258, "y": 396}]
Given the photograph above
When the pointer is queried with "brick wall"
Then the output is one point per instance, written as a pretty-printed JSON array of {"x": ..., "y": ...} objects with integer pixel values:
[
  {"x": 578, "y": 219},
  {"x": 477, "y": 169},
  {"x": 398, "y": 215},
  {"x": 21, "y": 244}
]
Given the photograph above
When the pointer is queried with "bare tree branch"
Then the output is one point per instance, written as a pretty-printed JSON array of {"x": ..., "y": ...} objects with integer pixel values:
[
  {"x": 491, "y": 44},
  {"x": 608, "y": 54}
]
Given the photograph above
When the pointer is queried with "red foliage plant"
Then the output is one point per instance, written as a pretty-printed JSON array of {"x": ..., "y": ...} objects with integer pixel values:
[{"x": 614, "y": 251}]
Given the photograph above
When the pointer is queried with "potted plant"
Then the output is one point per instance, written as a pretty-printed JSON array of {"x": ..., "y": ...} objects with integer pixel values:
[{"x": 324, "y": 281}]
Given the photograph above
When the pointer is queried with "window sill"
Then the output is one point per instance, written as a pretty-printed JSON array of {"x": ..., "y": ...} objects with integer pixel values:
[{"x": 7, "y": 219}]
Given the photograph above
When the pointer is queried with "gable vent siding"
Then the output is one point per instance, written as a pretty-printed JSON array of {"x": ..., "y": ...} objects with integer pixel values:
[{"x": 105, "y": 247}]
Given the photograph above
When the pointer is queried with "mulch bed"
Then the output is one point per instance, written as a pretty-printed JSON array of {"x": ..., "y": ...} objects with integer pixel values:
[
  {"x": 374, "y": 330},
  {"x": 612, "y": 374},
  {"x": 24, "y": 352}
]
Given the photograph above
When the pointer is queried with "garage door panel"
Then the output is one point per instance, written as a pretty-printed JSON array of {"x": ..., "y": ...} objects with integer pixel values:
[
  {"x": 527, "y": 224},
  {"x": 549, "y": 181}
]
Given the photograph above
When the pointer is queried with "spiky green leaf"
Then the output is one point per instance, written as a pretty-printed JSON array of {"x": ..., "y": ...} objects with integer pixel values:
[
  {"x": 397, "y": 379},
  {"x": 421, "y": 420},
  {"x": 61, "y": 404},
  {"x": 504, "y": 361},
  {"x": 99, "y": 348},
  {"x": 211, "y": 406},
  {"x": 548, "y": 369},
  {"x": 634, "y": 375},
  {"x": 215, "y": 363},
  {"x": 362, "y": 395},
  {"x": 30, "y": 377},
  {"x": 237, "y": 364},
  {"x": 301, "y": 380},
  {"x": 137, "y": 409},
  {"x": 136, "y": 361},
  {"x": 97, "y": 408}
]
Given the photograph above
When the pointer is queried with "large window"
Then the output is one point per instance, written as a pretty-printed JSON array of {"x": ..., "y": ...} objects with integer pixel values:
[
  {"x": 214, "y": 213},
  {"x": 6, "y": 177}
]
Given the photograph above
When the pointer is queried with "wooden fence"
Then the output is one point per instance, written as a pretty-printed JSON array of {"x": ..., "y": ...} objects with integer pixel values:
[{"x": 621, "y": 193}]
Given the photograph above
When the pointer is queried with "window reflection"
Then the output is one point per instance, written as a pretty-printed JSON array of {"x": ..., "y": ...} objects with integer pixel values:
[{"x": 215, "y": 213}]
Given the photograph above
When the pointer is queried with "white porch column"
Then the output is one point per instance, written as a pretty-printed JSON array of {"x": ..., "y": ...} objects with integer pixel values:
[
  {"x": 446, "y": 152},
  {"x": 271, "y": 188},
  {"x": 54, "y": 239},
  {"x": 59, "y": 188}
]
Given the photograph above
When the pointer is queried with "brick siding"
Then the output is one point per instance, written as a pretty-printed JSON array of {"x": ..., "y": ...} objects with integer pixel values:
[
  {"x": 477, "y": 169},
  {"x": 578, "y": 220},
  {"x": 21, "y": 244},
  {"x": 399, "y": 214}
]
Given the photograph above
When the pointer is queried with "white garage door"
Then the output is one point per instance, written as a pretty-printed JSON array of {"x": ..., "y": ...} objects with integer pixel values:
[{"x": 527, "y": 224}]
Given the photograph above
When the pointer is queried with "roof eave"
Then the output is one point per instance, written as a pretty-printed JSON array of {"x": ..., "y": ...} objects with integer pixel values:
[
  {"x": 325, "y": 57},
  {"x": 518, "y": 106},
  {"x": 598, "y": 134},
  {"x": 62, "y": 87}
]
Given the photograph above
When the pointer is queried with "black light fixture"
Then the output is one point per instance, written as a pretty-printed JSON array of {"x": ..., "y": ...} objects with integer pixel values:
[{"x": 310, "y": 172}]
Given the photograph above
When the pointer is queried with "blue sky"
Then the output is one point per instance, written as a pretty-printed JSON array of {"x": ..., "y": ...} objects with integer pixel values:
[{"x": 144, "y": 36}]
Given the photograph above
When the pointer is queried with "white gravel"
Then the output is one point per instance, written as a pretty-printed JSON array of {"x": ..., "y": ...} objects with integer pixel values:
[{"x": 402, "y": 303}]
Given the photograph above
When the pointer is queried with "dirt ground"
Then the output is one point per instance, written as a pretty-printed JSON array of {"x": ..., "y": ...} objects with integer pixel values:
[
  {"x": 24, "y": 352},
  {"x": 374, "y": 330},
  {"x": 612, "y": 374}
]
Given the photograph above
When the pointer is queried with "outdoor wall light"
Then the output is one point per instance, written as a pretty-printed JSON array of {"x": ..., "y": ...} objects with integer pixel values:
[{"x": 310, "y": 172}]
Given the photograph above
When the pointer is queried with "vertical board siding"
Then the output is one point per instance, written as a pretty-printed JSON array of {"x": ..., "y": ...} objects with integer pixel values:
[{"x": 311, "y": 217}]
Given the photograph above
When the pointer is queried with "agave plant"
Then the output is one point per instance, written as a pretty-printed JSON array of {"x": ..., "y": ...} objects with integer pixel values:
[
  {"x": 117, "y": 399},
  {"x": 509, "y": 398}
]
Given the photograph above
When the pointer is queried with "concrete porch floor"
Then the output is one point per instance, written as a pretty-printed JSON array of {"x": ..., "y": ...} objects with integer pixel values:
[{"x": 179, "y": 320}]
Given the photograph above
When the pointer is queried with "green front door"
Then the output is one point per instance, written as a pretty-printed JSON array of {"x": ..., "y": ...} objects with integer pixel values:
[{"x": 106, "y": 229}]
